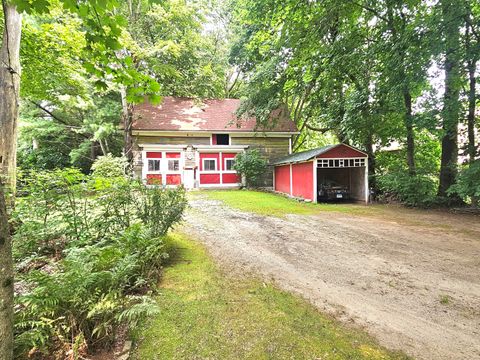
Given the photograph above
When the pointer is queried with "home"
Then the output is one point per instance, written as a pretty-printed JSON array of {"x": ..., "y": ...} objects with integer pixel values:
[{"x": 194, "y": 143}]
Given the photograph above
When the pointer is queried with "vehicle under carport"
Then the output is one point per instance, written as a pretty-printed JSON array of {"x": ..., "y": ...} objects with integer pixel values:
[{"x": 333, "y": 172}]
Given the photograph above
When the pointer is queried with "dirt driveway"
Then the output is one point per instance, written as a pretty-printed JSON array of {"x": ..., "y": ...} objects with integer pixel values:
[{"x": 414, "y": 287}]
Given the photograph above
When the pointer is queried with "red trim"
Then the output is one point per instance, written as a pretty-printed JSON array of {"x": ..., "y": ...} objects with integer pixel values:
[
  {"x": 227, "y": 156},
  {"x": 282, "y": 178},
  {"x": 173, "y": 155},
  {"x": 214, "y": 139},
  {"x": 154, "y": 155},
  {"x": 209, "y": 156},
  {"x": 209, "y": 179},
  {"x": 154, "y": 179},
  {"x": 342, "y": 151}
]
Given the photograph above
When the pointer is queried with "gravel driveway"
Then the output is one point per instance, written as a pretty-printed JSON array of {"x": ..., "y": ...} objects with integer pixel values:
[{"x": 415, "y": 288}]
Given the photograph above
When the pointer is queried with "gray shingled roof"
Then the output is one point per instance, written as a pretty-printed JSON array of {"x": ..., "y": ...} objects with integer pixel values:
[{"x": 304, "y": 155}]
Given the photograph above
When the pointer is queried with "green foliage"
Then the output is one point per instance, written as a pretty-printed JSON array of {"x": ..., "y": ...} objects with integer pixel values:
[
  {"x": 468, "y": 182},
  {"x": 170, "y": 40},
  {"x": 362, "y": 73},
  {"x": 43, "y": 145},
  {"x": 394, "y": 181},
  {"x": 109, "y": 166},
  {"x": 412, "y": 190},
  {"x": 87, "y": 250},
  {"x": 251, "y": 165}
]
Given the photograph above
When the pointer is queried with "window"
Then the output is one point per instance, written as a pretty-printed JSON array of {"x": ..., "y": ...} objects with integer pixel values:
[
  {"x": 173, "y": 165},
  {"x": 222, "y": 139},
  {"x": 339, "y": 163},
  {"x": 153, "y": 165},
  {"x": 229, "y": 164},
  {"x": 209, "y": 164}
]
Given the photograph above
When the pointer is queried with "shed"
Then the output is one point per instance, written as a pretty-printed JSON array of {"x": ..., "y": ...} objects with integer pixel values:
[{"x": 307, "y": 173}]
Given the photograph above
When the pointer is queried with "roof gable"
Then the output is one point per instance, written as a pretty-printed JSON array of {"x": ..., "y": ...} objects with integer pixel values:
[
  {"x": 341, "y": 151},
  {"x": 186, "y": 114}
]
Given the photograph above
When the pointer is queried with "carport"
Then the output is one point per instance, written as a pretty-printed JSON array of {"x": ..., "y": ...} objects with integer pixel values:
[{"x": 303, "y": 174}]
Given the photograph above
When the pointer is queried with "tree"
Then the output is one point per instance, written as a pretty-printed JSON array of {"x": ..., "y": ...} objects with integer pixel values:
[
  {"x": 451, "y": 21},
  {"x": 250, "y": 165},
  {"x": 9, "y": 103},
  {"x": 472, "y": 50}
]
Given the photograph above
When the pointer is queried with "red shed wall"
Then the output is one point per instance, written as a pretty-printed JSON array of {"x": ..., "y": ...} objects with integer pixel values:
[
  {"x": 302, "y": 180},
  {"x": 282, "y": 179},
  {"x": 342, "y": 151}
]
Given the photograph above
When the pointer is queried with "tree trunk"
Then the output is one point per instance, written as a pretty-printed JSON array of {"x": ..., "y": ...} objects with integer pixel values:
[
  {"x": 371, "y": 164},
  {"x": 6, "y": 282},
  {"x": 408, "y": 119},
  {"x": 9, "y": 98},
  {"x": 472, "y": 148},
  {"x": 451, "y": 11},
  {"x": 127, "y": 118},
  {"x": 402, "y": 76},
  {"x": 102, "y": 147}
]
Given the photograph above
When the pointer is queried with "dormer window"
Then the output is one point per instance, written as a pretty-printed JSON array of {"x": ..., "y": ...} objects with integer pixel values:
[{"x": 220, "y": 139}]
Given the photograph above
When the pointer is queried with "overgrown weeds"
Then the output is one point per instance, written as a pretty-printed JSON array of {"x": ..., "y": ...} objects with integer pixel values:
[{"x": 87, "y": 250}]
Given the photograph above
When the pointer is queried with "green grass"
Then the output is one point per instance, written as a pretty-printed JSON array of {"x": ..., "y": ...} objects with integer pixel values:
[
  {"x": 445, "y": 299},
  {"x": 264, "y": 203},
  {"x": 206, "y": 314}
]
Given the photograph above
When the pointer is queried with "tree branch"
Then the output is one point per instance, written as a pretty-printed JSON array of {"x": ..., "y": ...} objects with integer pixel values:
[
  {"x": 56, "y": 118},
  {"x": 313, "y": 128}
]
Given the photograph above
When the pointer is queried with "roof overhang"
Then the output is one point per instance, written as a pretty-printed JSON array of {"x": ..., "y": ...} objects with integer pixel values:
[
  {"x": 205, "y": 133},
  {"x": 205, "y": 148}
]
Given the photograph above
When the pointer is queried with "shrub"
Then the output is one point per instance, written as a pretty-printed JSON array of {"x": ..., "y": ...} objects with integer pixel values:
[
  {"x": 250, "y": 165},
  {"x": 109, "y": 166},
  {"x": 94, "y": 290},
  {"x": 87, "y": 250},
  {"x": 412, "y": 190},
  {"x": 468, "y": 183},
  {"x": 395, "y": 183}
]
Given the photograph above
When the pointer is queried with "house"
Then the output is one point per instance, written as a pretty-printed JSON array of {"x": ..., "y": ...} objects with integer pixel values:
[
  {"x": 194, "y": 143},
  {"x": 304, "y": 174}
]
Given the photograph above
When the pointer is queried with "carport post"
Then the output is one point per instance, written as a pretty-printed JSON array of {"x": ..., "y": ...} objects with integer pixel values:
[{"x": 367, "y": 188}]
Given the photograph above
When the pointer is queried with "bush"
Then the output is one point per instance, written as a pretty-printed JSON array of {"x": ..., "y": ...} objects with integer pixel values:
[
  {"x": 250, "y": 165},
  {"x": 109, "y": 166},
  {"x": 468, "y": 183},
  {"x": 411, "y": 190},
  {"x": 395, "y": 183},
  {"x": 87, "y": 249}
]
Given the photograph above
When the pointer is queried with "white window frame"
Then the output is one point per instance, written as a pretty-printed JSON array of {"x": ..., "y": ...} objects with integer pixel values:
[
  {"x": 342, "y": 162},
  {"x": 168, "y": 171},
  {"x": 217, "y": 170},
  {"x": 225, "y": 165}
]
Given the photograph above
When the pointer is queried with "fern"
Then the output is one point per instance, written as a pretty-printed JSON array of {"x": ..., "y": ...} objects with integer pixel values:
[{"x": 106, "y": 237}]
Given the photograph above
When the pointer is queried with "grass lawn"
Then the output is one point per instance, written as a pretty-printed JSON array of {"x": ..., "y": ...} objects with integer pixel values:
[
  {"x": 207, "y": 314},
  {"x": 264, "y": 203}
]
